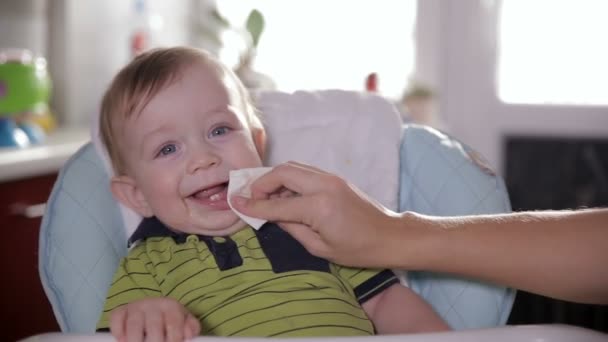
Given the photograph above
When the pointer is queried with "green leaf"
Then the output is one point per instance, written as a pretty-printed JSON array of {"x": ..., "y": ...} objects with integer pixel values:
[{"x": 255, "y": 25}]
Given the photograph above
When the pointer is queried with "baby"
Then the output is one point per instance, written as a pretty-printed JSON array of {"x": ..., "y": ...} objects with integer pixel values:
[{"x": 175, "y": 122}]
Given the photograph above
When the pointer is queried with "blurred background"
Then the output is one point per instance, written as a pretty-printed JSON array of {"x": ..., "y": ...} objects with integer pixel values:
[
  {"x": 522, "y": 82},
  {"x": 493, "y": 68}
]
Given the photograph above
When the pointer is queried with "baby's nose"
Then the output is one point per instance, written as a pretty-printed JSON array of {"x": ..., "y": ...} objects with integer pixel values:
[{"x": 202, "y": 161}]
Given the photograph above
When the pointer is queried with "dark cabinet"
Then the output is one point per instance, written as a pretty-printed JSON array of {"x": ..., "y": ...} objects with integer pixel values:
[
  {"x": 557, "y": 173},
  {"x": 24, "y": 306}
]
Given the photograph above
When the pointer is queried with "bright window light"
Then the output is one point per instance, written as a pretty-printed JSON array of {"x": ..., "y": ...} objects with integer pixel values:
[
  {"x": 553, "y": 52},
  {"x": 320, "y": 44}
]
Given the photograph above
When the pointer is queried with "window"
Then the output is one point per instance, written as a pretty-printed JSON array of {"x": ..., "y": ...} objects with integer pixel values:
[
  {"x": 553, "y": 52},
  {"x": 317, "y": 44}
]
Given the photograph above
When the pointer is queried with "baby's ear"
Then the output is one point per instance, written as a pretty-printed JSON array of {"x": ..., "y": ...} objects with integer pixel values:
[
  {"x": 259, "y": 139},
  {"x": 126, "y": 191}
]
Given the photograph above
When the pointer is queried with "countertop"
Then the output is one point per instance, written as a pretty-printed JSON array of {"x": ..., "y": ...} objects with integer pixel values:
[{"x": 46, "y": 158}]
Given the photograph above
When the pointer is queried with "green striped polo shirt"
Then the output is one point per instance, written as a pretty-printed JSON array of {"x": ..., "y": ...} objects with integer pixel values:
[{"x": 252, "y": 283}]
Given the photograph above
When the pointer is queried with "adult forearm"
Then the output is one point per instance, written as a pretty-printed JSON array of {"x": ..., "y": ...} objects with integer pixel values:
[{"x": 558, "y": 254}]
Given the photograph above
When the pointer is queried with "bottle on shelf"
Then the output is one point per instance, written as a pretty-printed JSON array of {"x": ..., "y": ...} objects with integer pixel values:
[{"x": 146, "y": 27}]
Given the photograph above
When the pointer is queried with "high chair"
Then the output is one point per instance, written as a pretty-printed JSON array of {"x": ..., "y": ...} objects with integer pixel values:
[{"x": 358, "y": 136}]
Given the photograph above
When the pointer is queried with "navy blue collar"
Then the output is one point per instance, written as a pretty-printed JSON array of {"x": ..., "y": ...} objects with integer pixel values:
[
  {"x": 152, "y": 227},
  {"x": 283, "y": 251},
  {"x": 226, "y": 253}
]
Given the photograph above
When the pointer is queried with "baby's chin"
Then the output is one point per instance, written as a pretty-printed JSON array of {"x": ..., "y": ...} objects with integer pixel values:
[{"x": 226, "y": 224}]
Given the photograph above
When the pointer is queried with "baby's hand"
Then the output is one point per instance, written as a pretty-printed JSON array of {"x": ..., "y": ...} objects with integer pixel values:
[{"x": 153, "y": 319}]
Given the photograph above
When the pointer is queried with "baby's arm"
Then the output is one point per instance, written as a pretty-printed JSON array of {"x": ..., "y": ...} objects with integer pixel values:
[{"x": 399, "y": 310}]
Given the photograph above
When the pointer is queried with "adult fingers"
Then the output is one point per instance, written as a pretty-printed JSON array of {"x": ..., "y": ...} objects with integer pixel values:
[
  {"x": 286, "y": 193},
  {"x": 292, "y": 209},
  {"x": 293, "y": 176},
  {"x": 283, "y": 193},
  {"x": 310, "y": 239},
  {"x": 307, "y": 167}
]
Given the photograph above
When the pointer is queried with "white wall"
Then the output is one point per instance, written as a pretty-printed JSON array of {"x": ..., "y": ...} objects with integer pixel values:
[
  {"x": 89, "y": 43},
  {"x": 457, "y": 54},
  {"x": 23, "y": 25}
]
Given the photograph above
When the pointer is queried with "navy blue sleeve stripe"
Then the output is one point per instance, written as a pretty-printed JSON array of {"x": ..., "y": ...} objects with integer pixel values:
[{"x": 375, "y": 285}]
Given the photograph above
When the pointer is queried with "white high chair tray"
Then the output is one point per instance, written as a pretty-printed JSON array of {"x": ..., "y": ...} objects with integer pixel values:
[{"x": 528, "y": 333}]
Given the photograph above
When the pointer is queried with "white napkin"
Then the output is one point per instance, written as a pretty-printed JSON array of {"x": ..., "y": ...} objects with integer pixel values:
[{"x": 240, "y": 184}]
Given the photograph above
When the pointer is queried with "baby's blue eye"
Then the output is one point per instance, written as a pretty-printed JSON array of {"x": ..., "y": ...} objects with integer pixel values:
[
  {"x": 219, "y": 131},
  {"x": 167, "y": 149}
]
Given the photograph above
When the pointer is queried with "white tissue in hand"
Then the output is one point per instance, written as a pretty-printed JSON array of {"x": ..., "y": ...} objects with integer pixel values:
[{"x": 240, "y": 184}]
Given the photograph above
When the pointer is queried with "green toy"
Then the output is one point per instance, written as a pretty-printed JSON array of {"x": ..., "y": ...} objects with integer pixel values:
[{"x": 25, "y": 88}]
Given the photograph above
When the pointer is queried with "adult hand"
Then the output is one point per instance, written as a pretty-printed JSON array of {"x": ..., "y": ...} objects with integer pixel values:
[
  {"x": 329, "y": 216},
  {"x": 333, "y": 219}
]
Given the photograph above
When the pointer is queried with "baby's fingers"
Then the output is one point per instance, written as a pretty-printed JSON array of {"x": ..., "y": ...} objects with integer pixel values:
[
  {"x": 154, "y": 328},
  {"x": 192, "y": 328},
  {"x": 117, "y": 323},
  {"x": 174, "y": 325},
  {"x": 134, "y": 326}
]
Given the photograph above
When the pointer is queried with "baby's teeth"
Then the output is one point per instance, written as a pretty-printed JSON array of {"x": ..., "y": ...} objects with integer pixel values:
[{"x": 214, "y": 197}]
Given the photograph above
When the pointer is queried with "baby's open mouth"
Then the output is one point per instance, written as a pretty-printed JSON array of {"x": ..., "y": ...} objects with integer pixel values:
[{"x": 213, "y": 193}]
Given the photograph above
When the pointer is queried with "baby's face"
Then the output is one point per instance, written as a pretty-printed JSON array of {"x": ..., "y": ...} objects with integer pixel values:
[{"x": 181, "y": 148}]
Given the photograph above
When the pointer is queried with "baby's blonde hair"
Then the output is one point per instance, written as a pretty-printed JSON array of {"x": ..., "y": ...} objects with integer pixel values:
[{"x": 144, "y": 77}]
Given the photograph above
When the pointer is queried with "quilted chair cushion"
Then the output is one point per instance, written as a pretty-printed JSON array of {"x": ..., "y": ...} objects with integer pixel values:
[
  {"x": 81, "y": 242},
  {"x": 440, "y": 176},
  {"x": 82, "y": 235}
]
